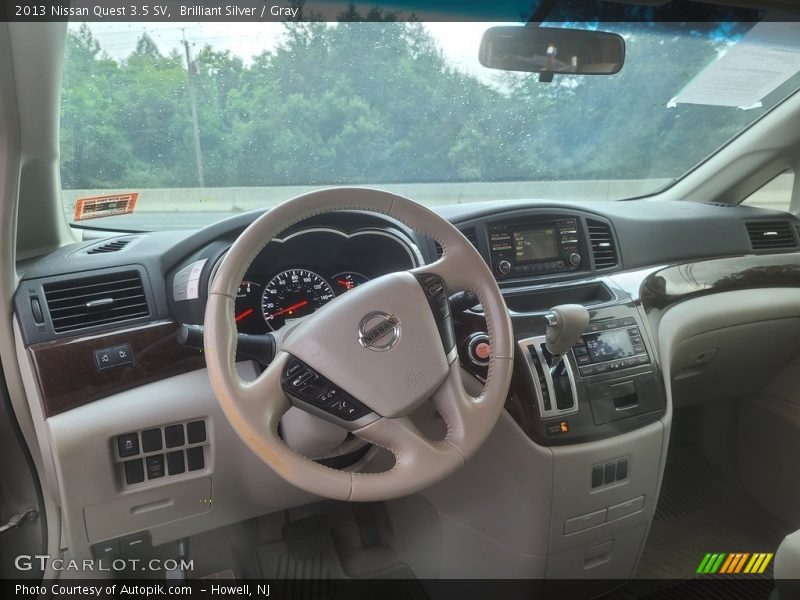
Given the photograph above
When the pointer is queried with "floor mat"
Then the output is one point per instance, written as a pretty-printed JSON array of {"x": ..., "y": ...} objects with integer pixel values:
[
  {"x": 312, "y": 549},
  {"x": 699, "y": 512}
]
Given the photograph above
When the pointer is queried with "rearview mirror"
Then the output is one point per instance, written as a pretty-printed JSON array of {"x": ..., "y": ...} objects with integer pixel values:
[{"x": 552, "y": 50}]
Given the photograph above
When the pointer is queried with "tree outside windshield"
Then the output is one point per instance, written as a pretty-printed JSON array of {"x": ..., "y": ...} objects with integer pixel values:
[{"x": 374, "y": 103}]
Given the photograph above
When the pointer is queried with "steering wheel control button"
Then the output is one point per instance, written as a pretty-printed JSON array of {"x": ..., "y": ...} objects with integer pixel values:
[
  {"x": 134, "y": 471},
  {"x": 434, "y": 288},
  {"x": 320, "y": 392},
  {"x": 329, "y": 396},
  {"x": 303, "y": 378},
  {"x": 293, "y": 368},
  {"x": 155, "y": 466},
  {"x": 439, "y": 301},
  {"x": 347, "y": 409},
  {"x": 196, "y": 432},
  {"x": 128, "y": 445},
  {"x": 151, "y": 440}
]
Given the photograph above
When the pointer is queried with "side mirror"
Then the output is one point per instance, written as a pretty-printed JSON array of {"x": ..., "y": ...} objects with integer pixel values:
[{"x": 552, "y": 50}]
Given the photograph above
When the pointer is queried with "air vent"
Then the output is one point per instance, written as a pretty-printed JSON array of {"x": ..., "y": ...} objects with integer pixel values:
[
  {"x": 771, "y": 235},
  {"x": 99, "y": 300},
  {"x": 470, "y": 233},
  {"x": 113, "y": 246},
  {"x": 603, "y": 248}
]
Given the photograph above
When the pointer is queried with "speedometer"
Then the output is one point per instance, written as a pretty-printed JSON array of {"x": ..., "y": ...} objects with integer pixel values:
[{"x": 293, "y": 294}]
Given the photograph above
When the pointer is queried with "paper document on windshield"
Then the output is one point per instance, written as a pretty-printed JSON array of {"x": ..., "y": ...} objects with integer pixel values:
[{"x": 762, "y": 60}]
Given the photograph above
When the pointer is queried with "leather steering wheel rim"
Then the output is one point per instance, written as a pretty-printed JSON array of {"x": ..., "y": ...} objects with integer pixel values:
[{"x": 390, "y": 383}]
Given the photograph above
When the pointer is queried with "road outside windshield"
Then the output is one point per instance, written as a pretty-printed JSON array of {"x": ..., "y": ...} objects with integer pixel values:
[{"x": 206, "y": 120}]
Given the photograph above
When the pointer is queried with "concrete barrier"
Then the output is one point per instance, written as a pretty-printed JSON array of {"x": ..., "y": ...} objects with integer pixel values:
[
  {"x": 237, "y": 199},
  {"x": 240, "y": 199}
]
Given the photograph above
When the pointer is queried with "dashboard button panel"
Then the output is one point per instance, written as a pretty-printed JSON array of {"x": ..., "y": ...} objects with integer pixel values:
[
  {"x": 140, "y": 455},
  {"x": 186, "y": 282}
]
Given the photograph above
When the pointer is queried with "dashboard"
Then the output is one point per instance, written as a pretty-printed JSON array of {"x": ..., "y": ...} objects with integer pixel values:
[{"x": 104, "y": 371}]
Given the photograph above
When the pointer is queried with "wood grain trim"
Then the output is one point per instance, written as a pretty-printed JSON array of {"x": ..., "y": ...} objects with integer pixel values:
[
  {"x": 680, "y": 282},
  {"x": 68, "y": 376}
]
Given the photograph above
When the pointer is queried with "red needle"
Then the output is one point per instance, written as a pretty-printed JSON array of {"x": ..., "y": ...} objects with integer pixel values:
[
  {"x": 244, "y": 314},
  {"x": 288, "y": 308},
  {"x": 345, "y": 283}
]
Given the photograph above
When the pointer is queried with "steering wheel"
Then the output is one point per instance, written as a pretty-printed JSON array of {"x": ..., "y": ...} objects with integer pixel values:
[{"x": 366, "y": 360}]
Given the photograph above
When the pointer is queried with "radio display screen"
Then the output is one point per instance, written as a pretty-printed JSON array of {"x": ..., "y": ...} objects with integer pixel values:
[
  {"x": 609, "y": 345},
  {"x": 536, "y": 244}
]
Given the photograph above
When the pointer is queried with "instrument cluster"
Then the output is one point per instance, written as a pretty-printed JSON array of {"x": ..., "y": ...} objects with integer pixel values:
[
  {"x": 289, "y": 295},
  {"x": 294, "y": 276}
]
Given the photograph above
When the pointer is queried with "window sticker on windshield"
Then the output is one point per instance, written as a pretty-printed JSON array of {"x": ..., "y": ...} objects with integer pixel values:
[
  {"x": 104, "y": 206},
  {"x": 762, "y": 60}
]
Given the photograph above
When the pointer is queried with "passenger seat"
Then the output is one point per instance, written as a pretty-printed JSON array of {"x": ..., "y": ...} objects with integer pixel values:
[{"x": 787, "y": 569}]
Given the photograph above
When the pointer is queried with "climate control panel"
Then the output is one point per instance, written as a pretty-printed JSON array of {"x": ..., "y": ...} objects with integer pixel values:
[{"x": 610, "y": 345}]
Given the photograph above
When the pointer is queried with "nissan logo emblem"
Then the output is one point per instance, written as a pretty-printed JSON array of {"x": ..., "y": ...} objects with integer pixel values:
[{"x": 379, "y": 331}]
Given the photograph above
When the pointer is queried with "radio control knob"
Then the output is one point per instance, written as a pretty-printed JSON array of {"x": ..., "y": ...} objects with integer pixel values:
[
  {"x": 574, "y": 259},
  {"x": 478, "y": 349},
  {"x": 504, "y": 267}
]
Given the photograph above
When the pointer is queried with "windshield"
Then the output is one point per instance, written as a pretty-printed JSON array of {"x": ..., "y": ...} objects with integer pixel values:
[{"x": 183, "y": 125}]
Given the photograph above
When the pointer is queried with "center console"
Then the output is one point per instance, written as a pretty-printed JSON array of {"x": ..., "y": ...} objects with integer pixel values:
[
  {"x": 538, "y": 247},
  {"x": 608, "y": 383},
  {"x": 587, "y": 393}
]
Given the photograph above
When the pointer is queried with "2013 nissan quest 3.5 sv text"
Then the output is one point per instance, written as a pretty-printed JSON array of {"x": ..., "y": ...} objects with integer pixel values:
[{"x": 419, "y": 300}]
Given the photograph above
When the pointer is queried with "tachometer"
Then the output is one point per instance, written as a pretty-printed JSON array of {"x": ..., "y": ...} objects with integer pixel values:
[
  {"x": 293, "y": 294},
  {"x": 248, "y": 308},
  {"x": 343, "y": 282}
]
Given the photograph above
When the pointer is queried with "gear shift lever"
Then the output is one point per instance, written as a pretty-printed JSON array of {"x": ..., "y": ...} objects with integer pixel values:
[{"x": 565, "y": 324}]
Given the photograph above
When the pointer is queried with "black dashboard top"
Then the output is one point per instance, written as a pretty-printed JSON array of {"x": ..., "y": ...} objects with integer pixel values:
[{"x": 643, "y": 233}]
